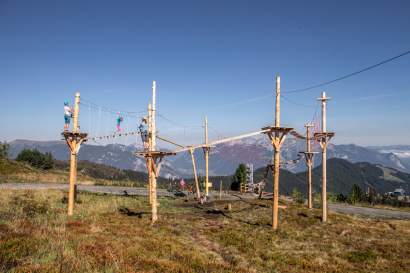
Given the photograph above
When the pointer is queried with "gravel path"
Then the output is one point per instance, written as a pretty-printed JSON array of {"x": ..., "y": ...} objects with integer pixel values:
[
  {"x": 370, "y": 212},
  {"x": 88, "y": 188},
  {"x": 342, "y": 208}
]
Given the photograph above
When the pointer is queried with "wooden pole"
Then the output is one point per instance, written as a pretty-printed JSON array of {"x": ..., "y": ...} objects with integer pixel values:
[
  {"x": 198, "y": 193},
  {"x": 73, "y": 158},
  {"x": 149, "y": 168},
  {"x": 73, "y": 176},
  {"x": 154, "y": 109},
  {"x": 154, "y": 204},
  {"x": 276, "y": 171},
  {"x": 309, "y": 163},
  {"x": 220, "y": 190},
  {"x": 206, "y": 151},
  {"x": 324, "y": 159}
]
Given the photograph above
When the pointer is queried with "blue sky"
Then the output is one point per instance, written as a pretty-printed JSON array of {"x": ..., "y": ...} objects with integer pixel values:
[{"x": 208, "y": 58}]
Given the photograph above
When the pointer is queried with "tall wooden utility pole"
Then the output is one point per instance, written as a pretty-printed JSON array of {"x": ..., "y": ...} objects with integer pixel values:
[
  {"x": 323, "y": 139},
  {"x": 74, "y": 140},
  {"x": 153, "y": 157},
  {"x": 206, "y": 149},
  {"x": 154, "y": 203},
  {"x": 149, "y": 149},
  {"x": 309, "y": 163},
  {"x": 277, "y": 136}
]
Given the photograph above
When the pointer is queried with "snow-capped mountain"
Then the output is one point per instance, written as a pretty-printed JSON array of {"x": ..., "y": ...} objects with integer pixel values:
[
  {"x": 402, "y": 152},
  {"x": 224, "y": 158}
]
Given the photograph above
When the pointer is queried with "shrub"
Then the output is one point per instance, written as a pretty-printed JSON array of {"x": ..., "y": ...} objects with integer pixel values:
[
  {"x": 297, "y": 196},
  {"x": 4, "y": 150},
  {"x": 356, "y": 194},
  {"x": 360, "y": 256},
  {"x": 239, "y": 177},
  {"x": 341, "y": 198},
  {"x": 36, "y": 159}
]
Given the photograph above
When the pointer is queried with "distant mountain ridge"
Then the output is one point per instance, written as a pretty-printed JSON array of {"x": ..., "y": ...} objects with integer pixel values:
[
  {"x": 224, "y": 158},
  {"x": 341, "y": 176}
]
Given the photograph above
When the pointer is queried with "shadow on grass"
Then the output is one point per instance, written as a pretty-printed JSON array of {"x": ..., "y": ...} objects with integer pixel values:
[{"x": 128, "y": 212}]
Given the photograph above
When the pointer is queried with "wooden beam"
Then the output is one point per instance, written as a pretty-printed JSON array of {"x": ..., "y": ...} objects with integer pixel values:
[
  {"x": 216, "y": 142},
  {"x": 170, "y": 141},
  {"x": 198, "y": 192}
]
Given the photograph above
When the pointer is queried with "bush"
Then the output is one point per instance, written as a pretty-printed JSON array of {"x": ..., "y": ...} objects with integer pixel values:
[
  {"x": 36, "y": 159},
  {"x": 331, "y": 197},
  {"x": 356, "y": 194},
  {"x": 341, "y": 198},
  {"x": 297, "y": 196},
  {"x": 4, "y": 150}
]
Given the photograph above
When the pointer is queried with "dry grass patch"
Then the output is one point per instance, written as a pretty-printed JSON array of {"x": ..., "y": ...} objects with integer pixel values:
[{"x": 113, "y": 234}]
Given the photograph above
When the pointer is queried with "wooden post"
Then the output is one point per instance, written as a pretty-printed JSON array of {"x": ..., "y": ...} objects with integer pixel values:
[
  {"x": 277, "y": 136},
  {"x": 309, "y": 163},
  {"x": 324, "y": 159},
  {"x": 154, "y": 203},
  {"x": 220, "y": 190},
  {"x": 74, "y": 140},
  {"x": 276, "y": 168},
  {"x": 206, "y": 151},
  {"x": 198, "y": 193},
  {"x": 149, "y": 168},
  {"x": 73, "y": 178},
  {"x": 152, "y": 156}
]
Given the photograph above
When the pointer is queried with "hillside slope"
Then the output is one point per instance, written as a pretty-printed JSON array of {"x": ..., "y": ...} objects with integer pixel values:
[
  {"x": 88, "y": 173},
  {"x": 342, "y": 174}
]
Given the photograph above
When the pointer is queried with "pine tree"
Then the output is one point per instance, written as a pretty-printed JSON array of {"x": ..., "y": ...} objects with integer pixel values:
[
  {"x": 356, "y": 194},
  {"x": 239, "y": 177}
]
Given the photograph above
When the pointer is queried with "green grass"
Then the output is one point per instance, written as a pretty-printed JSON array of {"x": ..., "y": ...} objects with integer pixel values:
[{"x": 36, "y": 236}]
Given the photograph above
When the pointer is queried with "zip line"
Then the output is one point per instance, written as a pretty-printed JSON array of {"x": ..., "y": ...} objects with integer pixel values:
[
  {"x": 347, "y": 75},
  {"x": 315, "y": 86}
]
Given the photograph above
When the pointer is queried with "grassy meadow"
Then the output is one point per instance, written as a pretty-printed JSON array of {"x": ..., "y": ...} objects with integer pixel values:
[{"x": 113, "y": 234}]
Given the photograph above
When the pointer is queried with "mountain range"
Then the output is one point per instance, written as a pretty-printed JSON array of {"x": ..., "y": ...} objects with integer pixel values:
[
  {"x": 224, "y": 158},
  {"x": 341, "y": 176}
]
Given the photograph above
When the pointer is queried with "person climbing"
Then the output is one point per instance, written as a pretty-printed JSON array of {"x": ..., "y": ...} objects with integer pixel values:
[
  {"x": 119, "y": 120},
  {"x": 68, "y": 114},
  {"x": 182, "y": 185},
  {"x": 144, "y": 133}
]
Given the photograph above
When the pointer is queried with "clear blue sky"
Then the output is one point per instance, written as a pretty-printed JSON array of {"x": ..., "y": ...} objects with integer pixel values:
[{"x": 205, "y": 56}]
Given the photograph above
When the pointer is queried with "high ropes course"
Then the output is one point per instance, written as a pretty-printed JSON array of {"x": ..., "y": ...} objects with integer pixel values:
[
  {"x": 147, "y": 132},
  {"x": 316, "y": 133}
]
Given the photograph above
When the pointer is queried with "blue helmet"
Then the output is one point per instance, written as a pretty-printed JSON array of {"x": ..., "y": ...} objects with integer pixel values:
[{"x": 66, "y": 103}]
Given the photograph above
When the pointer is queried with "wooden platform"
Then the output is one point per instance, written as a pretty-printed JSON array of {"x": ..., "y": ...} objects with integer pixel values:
[
  {"x": 323, "y": 135},
  {"x": 274, "y": 129},
  {"x": 71, "y": 135},
  {"x": 154, "y": 153},
  {"x": 308, "y": 153}
]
